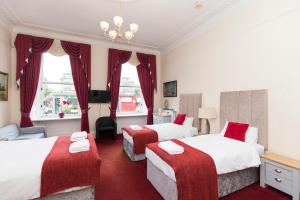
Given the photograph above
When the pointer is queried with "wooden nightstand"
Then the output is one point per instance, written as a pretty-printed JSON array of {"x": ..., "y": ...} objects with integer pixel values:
[{"x": 282, "y": 173}]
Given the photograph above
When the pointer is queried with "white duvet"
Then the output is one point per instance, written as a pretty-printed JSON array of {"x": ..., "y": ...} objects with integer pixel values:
[
  {"x": 21, "y": 166},
  {"x": 229, "y": 155},
  {"x": 21, "y": 163},
  {"x": 167, "y": 131}
]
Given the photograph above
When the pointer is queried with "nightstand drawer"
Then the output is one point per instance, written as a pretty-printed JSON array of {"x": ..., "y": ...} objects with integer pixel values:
[
  {"x": 278, "y": 182},
  {"x": 279, "y": 171}
]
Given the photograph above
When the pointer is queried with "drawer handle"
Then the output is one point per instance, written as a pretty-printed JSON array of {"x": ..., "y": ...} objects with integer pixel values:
[
  {"x": 278, "y": 180},
  {"x": 278, "y": 171}
]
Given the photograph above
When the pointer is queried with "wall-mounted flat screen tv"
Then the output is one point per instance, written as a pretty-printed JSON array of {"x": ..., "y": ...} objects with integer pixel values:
[
  {"x": 170, "y": 89},
  {"x": 99, "y": 96}
]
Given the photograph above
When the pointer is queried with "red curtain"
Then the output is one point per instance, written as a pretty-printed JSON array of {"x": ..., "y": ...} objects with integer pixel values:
[
  {"x": 80, "y": 59},
  {"x": 147, "y": 76},
  {"x": 115, "y": 60},
  {"x": 29, "y": 53}
]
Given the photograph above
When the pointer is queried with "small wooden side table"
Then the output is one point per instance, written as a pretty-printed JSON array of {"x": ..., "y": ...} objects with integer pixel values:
[{"x": 282, "y": 173}]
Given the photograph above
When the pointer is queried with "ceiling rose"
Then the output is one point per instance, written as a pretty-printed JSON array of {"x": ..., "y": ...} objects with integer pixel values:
[
  {"x": 199, "y": 4},
  {"x": 124, "y": 1}
]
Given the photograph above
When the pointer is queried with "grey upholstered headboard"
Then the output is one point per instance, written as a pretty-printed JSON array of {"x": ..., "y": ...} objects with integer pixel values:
[
  {"x": 247, "y": 107},
  {"x": 189, "y": 104}
]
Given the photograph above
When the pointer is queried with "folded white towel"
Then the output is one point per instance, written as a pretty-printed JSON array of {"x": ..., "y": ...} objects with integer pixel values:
[
  {"x": 171, "y": 147},
  {"x": 136, "y": 127},
  {"x": 80, "y": 146},
  {"x": 77, "y": 136}
]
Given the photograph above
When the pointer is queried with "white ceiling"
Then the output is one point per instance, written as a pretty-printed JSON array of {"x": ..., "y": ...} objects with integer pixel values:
[{"x": 161, "y": 22}]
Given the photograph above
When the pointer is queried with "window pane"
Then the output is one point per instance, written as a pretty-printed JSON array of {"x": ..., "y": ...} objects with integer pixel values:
[
  {"x": 57, "y": 92},
  {"x": 58, "y": 98},
  {"x": 56, "y": 69},
  {"x": 130, "y": 96}
]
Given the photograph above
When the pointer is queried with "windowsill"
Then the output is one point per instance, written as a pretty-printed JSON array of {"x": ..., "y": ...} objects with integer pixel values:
[
  {"x": 56, "y": 119},
  {"x": 119, "y": 115}
]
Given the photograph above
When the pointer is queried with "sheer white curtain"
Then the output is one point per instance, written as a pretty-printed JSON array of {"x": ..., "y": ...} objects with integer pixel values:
[
  {"x": 56, "y": 49},
  {"x": 133, "y": 59}
]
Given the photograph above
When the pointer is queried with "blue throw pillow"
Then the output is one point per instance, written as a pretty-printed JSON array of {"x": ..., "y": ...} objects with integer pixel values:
[{"x": 9, "y": 132}]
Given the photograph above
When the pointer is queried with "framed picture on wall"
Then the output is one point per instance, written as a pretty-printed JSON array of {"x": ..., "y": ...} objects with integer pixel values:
[
  {"x": 170, "y": 89},
  {"x": 3, "y": 86}
]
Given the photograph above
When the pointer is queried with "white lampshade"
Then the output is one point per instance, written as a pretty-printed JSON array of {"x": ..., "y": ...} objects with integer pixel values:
[
  {"x": 104, "y": 26},
  {"x": 113, "y": 34},
  {"x": 118, "y": 21},
  {"x": 134, "y": 27},
  {"x": 207, "y": 113},
  {"x": 129, "y": 35}
]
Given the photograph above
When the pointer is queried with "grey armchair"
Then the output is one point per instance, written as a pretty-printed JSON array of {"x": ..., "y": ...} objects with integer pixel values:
[{"x": 13, "y": 132}]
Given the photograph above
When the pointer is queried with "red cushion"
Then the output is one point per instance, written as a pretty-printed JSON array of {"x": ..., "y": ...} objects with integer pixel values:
[
  {"x": 236, "y": 131},
  {"x": 179, "y": 119}
]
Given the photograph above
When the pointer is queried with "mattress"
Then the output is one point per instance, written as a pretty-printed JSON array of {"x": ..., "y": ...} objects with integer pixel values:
[
  {"x": 21, "y": 166},
  {"x": 229, "y": 155},
  {"x": 167, "y": 131}
]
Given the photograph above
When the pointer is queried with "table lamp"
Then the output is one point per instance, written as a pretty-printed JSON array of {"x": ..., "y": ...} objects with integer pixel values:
[{"x": 207, "y": 113}]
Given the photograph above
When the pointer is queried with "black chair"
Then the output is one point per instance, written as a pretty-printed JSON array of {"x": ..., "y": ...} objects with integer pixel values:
[{"x": 106, "y": 126}]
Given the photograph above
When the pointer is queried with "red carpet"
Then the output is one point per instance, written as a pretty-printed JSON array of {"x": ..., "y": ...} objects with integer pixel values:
[{"x": 123, "y": 179}]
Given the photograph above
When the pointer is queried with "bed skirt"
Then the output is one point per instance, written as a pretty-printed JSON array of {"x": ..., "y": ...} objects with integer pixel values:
[
  {"x": 86, "y": 193},
  {"x": 227, "y": 183},
  {"x": 128, "y": 148}
]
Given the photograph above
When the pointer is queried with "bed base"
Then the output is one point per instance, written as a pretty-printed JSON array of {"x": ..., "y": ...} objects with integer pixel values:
[
  {"x": 85, "y": 193},
  {"x": 128, "y": 148},
  {"x": 227, "y": 183}
]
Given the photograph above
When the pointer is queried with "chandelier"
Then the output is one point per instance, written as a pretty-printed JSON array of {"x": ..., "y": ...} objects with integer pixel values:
[{"x": 117, "y": 33}]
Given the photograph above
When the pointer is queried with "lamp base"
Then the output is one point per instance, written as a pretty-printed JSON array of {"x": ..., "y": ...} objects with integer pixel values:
[{"x": 207, "y": 126}]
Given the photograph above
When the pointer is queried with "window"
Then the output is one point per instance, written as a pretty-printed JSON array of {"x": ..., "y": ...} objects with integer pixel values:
[
  {"x": 56, "y": 92},
  {"x": 131, "y": 100}
]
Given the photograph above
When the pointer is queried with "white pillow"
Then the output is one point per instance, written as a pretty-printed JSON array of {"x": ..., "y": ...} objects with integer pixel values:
[
  {"x": 193, "y": 132},
  {"x": 188, "y": 122},
  {"x": 224, "y": 129},
  {"x": 251, "y": 134}
]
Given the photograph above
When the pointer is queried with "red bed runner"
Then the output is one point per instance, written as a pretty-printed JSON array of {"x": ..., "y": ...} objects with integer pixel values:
[
  {"x": 195, "y": 172},
  {"x": 62, "y": 170},
  {"x": 141, "y": 138}
]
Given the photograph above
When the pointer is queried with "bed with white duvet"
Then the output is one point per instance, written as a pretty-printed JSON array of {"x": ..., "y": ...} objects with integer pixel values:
[
  {"x": 20, "y": 170},
  {"x": 237, "y": 162},
  {"x": 165, "y": 131},
  {"x": 229, "y": 155}
]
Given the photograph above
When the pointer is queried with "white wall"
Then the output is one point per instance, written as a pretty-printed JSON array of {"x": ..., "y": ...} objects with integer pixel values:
[
  {"x": 99, "y": 55},
  {"x": 5, "y": 67},
  {"x": 256, "y": 46}
]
